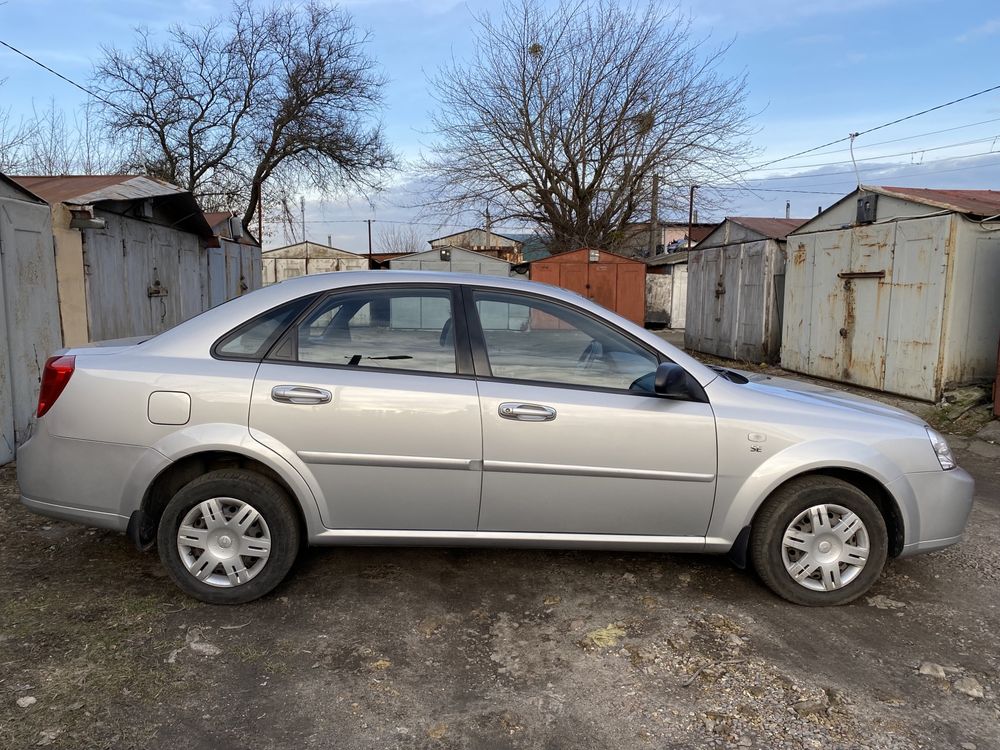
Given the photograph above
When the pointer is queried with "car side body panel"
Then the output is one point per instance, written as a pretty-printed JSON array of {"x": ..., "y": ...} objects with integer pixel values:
[{"x": 93, "y": 456}]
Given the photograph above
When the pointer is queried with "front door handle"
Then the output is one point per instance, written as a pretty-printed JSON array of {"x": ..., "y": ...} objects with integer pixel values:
[
  {"x": 300, "y": 394},
  {"x": 526, "y": 412}
]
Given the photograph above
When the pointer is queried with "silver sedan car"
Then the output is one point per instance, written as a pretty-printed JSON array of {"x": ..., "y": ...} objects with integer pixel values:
[{"x": 417, "y": 408}]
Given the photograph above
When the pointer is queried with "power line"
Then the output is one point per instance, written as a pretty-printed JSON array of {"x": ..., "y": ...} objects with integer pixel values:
[
  {"x": 851, "y": 171},
  {"x": 918, "y": 171},
  {"x": 771, "y": 190},
  {"x": 907, "y": 138},
  {"x": 57, "y": 74},
  {"x": 893, "y": 156},
  {"x": 877, "y": 127}
]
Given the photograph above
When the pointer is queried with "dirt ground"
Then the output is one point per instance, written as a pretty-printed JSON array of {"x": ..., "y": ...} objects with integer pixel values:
[{"x": 414, "y": 648}]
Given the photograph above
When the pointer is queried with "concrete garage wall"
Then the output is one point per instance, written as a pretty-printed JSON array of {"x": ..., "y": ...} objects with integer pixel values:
[
  {"x": 29, "y": 313},
  {"x": 659, "y": 291}
]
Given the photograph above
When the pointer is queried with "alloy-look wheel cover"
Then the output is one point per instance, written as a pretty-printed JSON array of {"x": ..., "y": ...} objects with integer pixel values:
[
  {"x": 224, "y": 542},
  {"x": 825, "y": 547}
]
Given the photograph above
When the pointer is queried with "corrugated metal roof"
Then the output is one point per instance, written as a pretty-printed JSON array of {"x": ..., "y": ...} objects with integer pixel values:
[
  {"x": 701, "y": 231},
  {"x": 307, "y": 250},
  {"x": 214, "y": 218},
  {"x": 471, "y": 229},
  {"x": 669, "y": 259},
  {"x": 977, "y": 202},
  {"x": 86, "y": 189},
  {"x": 773, "y": 227},
  {"x": 21, "y": 189}
]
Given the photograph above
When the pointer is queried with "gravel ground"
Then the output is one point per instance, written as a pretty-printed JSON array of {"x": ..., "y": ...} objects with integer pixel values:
[{"x": 372, "y": 648}]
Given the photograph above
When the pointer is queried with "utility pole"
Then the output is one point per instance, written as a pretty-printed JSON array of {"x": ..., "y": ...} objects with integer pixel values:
[
  {"x": 260, "y": 215},
  {"x": 654, "y": 222},
  {"x": 691, "y": 215},
  {"x": 369, "y": 222},
  {"x": 489, "y": 229},
  {"x": 302, "y": 206}
]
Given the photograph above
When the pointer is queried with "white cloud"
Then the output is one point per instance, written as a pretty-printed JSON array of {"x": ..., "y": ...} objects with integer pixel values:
[{"x": 988, "y": 28}]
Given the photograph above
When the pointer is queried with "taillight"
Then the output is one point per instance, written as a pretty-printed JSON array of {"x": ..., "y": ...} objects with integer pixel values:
[{"x": 55, "y": 376}]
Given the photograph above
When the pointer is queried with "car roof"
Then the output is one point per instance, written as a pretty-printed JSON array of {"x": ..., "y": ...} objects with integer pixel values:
[{"x": 199, "y": 333}]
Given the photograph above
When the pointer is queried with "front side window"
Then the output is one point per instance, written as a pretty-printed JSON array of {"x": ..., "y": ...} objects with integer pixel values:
[
  {"x": 400, "y": 329},
  {"x": 534, "y": 339}
]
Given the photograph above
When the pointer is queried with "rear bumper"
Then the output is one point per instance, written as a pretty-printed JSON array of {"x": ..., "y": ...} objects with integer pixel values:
[
  {"x": 940, "y": 505},
  {"x": 84, "y": 516},
  {"x": 85, "y": 481}
]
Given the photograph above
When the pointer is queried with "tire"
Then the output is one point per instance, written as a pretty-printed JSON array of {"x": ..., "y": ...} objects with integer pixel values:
[
  {"x": 826, "y": 548},
  {"x": 226, "y": 513}
]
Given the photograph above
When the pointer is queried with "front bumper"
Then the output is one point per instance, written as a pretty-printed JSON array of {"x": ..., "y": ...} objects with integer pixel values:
[{"x": 935, "y": 506}]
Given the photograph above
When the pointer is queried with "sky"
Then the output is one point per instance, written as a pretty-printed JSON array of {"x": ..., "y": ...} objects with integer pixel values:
[{"x": 816, "y": 72}]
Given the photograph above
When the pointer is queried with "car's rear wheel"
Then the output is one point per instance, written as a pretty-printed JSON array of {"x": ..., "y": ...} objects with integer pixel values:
[
  {"x": 229, "y": 536},
  {"x": 818, "y": 541}
]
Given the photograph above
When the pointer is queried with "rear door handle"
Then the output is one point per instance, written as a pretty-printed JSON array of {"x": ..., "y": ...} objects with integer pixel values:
[
  {"x": 300, "y": 394},
  {"x": 526, "y": 412}
]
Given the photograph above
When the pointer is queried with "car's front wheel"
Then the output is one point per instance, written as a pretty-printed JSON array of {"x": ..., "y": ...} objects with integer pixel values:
[
  {"x": 818, "y": 541},
  {"x": 228, "y": 537}
]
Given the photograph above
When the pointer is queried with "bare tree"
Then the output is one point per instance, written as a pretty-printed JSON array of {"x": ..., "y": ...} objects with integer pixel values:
[
  {"x": 561, "y": 118},
  {"x": 283, "y": 94},
  {"x": 14, "y": 134},
  {"x": 400, "y": 238}
]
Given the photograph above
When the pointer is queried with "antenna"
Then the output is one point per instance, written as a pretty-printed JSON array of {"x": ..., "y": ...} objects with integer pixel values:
[{"x": 857, "y": 175}]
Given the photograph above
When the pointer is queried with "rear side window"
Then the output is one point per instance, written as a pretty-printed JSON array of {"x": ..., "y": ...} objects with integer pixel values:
[
  {"x": 252, "y": 339},
  {"x": 398, "y": 329}
]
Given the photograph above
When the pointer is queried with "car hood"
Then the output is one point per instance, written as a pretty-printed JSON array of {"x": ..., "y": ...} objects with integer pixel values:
[{"x": 818, "y": 395}]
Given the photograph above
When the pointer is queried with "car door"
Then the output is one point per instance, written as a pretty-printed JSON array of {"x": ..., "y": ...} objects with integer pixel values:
[
  {"x": 571, "y": 443},
  {"x": 372, "y": 390}
]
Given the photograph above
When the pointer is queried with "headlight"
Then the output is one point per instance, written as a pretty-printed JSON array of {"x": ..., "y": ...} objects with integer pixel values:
[{"x": 941, "y": 449}]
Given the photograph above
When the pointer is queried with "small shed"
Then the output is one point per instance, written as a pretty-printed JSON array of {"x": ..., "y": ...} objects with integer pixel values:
[
  {"x": 29, "y": 308},
  {"x": 234, "y": 265},
  {"x": 305, "y": 258},
  {"x": 614, "y": 281},
  {"x": 667, "y": 290},
  {"x": 501, "y": 246},
  {"x": 895, "y": 289},
  {"x": 129, "y": 251},
  {"x": 455, "y": 259},
  {"x": 736, "y": 289}
]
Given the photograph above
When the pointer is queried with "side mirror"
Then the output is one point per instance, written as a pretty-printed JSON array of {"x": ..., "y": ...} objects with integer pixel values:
[{"x": 673, "y": 381}]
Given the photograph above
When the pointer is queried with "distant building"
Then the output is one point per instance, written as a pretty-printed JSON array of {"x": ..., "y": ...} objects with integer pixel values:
[
  {"x": 670, "y": 236},
  {"x": 483, "y": 242},
  {"x": 305, "y": 258},
  {"x": 451, "y": 258}
]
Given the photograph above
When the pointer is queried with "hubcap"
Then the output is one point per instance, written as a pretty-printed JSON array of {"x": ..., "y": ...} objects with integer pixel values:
[
  {"x": 825, "y": 547},
  {"x": 223, "y": 542}
]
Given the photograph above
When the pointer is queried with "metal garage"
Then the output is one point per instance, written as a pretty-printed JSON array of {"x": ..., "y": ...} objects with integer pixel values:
[
  {"x": 129, "y": 253},
  {"x": 896, "y": 289},
  {"x": 29, "y": 308},
  {"x": 736, "y": 288},
  {"x": 454, "y": 259},
  {"x": 235, "y": 266},
  {"x": 614, "y": 281},
  {"x": 305, "y": 258},
  {"x": 667, "y": 289}
]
